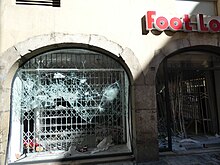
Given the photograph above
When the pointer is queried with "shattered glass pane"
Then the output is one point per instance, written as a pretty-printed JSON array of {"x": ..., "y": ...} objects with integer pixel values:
[{"x": 71, "y": 99}]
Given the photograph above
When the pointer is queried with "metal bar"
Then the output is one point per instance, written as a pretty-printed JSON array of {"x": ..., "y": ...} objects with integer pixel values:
[
  {"x": 56, "y": 64},
  {"x": 66, "y": 70},
  {"x": 168, "y": 106},
  {"x": 39, "y": 4},
  {"x": 123, "y": 103},
  {"x": 54, "y": 3},
  {"x": 35, "y": 1},
  {"x": 28, "y": 132}
]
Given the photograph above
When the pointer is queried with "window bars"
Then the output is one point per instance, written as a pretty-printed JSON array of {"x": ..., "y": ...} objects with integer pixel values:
[
  {"x": 186, "y": 95},
  {"x": 65, "y": 101}
]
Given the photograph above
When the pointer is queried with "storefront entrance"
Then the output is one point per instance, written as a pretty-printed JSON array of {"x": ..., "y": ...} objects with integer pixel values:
[{"x": 187, "y": 98}]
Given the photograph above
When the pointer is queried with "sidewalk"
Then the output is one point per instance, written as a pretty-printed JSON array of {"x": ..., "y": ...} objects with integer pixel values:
[
  {"x": 205, "y": 158},
  {"x": 212, "y": 158},
  {"x": 208, "y": 157}
]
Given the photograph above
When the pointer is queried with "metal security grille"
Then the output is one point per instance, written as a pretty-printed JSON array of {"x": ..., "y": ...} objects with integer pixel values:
[
  {"x": 72, "y": 98},
  {"x": 189, "y": 99},
  {"x": 186, "y": 95}
]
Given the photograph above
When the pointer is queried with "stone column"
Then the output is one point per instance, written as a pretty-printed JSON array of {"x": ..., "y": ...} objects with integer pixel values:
[
  {"x": 8, "y": 67},
  {"x": 146, "y": 120}
]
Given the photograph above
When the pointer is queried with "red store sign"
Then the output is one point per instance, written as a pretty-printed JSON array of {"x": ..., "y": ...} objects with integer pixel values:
[{"x": 201, "y": 24}]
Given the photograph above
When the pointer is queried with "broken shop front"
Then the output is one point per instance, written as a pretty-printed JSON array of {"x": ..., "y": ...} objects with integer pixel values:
[
  {"x": 187, "y": 86},
  {"x": 74, "y": 102},
  {"x": 72, "y": 99},
  {"x": 81, "y": 94},
  {"x": 69, "y": 103}
]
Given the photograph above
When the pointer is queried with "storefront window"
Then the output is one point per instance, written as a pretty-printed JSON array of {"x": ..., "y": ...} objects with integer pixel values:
[{"x": 69, "y": 103}]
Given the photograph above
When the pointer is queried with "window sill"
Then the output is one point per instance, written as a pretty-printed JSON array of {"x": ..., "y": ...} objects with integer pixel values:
[{"x": 114, "y": 153}]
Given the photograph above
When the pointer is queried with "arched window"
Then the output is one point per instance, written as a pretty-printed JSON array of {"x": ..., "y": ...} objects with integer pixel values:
[{"x": 69, "y": 103}]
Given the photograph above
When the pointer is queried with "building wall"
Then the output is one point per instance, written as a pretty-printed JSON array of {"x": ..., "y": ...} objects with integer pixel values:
[{"x": 115, "y": 26}]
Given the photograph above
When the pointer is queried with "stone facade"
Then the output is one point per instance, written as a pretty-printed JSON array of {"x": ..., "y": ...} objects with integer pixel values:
[
  {"x": 141, "y": 67},
  {"x": 143, "y": 86},
  {"x": 46, "y": 42}
]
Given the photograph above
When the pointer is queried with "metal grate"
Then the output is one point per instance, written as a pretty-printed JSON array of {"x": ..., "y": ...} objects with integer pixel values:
[
  {"x": 53, "y": 3},
  {"x": 78, "y": 106},
  {"x": 186, "y": 98}
]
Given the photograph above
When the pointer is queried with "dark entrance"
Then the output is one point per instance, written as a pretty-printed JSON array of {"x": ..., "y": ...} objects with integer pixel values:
[{"x": 187, "y": 99}]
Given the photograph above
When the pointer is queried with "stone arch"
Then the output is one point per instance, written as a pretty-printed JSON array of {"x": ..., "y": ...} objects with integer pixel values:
[
  {"x": 35, "y": 45},
  {"x": 11, "y": 59},
  {"x": 189, "y": 41}
]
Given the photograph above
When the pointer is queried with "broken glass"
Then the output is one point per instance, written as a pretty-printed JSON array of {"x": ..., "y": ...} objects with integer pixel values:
[{"x": 64, "y": 108}]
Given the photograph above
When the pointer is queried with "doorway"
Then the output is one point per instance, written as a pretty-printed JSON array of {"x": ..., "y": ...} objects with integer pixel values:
[{"x": 187, "y": 100}]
